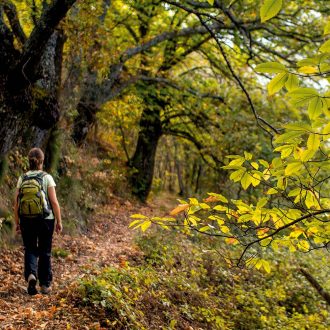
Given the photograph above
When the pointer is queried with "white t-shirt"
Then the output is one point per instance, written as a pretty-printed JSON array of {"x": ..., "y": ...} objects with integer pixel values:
[{"x": 48, "y": 181}]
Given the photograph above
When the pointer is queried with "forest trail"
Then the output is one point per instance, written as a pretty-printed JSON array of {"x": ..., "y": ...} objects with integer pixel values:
[{"x": 109, "y": 241}]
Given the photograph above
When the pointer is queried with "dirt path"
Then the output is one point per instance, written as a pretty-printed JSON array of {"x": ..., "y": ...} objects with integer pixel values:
[{"x": 108, "y": 241}]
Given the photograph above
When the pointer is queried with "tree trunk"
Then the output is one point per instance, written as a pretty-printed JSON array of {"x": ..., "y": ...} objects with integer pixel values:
[
  {"x": 143, "y": 161},
  {"x": 29, "y": 80},
  {"x": 85, "y": 120},
  {"x": 182, "y": 189},
  {"x": 29, "y": 114}
]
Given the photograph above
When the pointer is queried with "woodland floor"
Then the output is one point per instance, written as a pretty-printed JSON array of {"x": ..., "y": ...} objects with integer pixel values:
[{"x": 108, "y": 241}]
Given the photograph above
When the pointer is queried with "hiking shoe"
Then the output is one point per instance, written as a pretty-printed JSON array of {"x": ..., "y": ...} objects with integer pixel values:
[
  {"x": 31, "y": 289},
  {"x": 45, "y": 289}
]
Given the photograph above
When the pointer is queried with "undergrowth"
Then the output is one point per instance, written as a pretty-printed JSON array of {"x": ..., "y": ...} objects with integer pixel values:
[{"x": 179, "y": 284}]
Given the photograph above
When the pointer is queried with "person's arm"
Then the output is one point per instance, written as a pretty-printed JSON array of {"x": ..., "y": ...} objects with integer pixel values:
[
  {"x": 16, "y": 211},
  {"x": 56, "y": 208}
]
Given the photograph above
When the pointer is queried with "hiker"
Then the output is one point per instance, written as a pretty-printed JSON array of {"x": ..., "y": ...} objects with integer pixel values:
[{"x": 37, "y": 212}]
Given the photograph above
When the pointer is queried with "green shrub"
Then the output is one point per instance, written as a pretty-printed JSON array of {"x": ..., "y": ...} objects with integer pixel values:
[{"x": 178, "y": 284}]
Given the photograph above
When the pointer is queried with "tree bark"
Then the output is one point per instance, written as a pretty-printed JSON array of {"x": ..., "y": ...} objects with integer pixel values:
[
  {"x": 29, "y": 79},
  {"x": 143, "y": 161}
]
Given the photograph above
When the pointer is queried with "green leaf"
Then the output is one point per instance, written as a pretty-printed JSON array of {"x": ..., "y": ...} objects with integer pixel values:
[
  {"x": 293, "y": 168},
  {"x": 277, "y": 83},
  {"x": 264, "y": 163},
  {"x": 271, "y": 67},
  {"x": 211, "y": 2},
  {"x": 269, "y": 9},
  {"x": 262, "y": 202},
  {"x": 247, "y": 155},
  {"x": 307, "y": 154},
  {"x": 326, "y": 129},
  {"x": 246, "y": 181},
  {"x": 298, "y": 127},
  {"x": 313, "y": 142},
  {"x": 285, "y": 150},
  {"x": 288, "y": 136},
  {"x": 272, "y": 191},
  {"x": 315, "y": 108},
  {"x": 220, "y": 208},
  {"x": 220, "y": 197},
  {"x": 308, "y": 62},
  {"x": 327, "y": 28},
  {"x": 292, "y": 82},
  {"x": 301, "y": 96},
  {"x": 311, "y": 201},
  {"x": 237, "y": 175},
  {"x": 325, "y": 48},
  {"x": 294, "y": 192},
  {"x": 204, "y": 229}
]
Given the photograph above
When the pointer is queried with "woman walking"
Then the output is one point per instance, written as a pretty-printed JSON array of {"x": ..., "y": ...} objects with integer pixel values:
[{"x": 37, "y": 213}]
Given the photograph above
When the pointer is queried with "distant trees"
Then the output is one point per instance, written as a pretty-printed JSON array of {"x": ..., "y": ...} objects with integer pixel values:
[
  {"x": 164, "y": 52},
  {"x": 290, "y": 207}
]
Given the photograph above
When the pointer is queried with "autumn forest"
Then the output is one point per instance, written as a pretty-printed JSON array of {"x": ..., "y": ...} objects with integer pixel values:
[{"x": 164, "y": 164}]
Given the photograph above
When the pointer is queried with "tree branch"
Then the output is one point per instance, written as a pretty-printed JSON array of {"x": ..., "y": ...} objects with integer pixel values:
[
  {"x": 116, "y": 68},
  {"x": 325, "y": 295},
  {"x": 306, "y": 216},
  {"x": 10, "y": 10},
  {"x": 34, "y": 46}
]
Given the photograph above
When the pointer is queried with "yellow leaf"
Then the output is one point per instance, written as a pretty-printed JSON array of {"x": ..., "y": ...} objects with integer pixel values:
[
  {"x": 326, "y": 129},
  {"x": 272, "y": 191},
  {"x": 311, "y": 200},
  {"x": 138, "y": 216},
  {"x": 270, "y": 67},
  {"x": 145, "y": 225},
  {"x": 277, "y": 83},
  {"x": 225, "y": 229},
  {"x": 246, "y": 181},
  {"x": 307, "y": 154},
  {"x": 307, "y": 69},
  {"x": 327, "y": 28},
  {"x": 325, "y": 48},
  {"x": 293, "y": 168},
  {"x": 179, "y": 209},
  {"x": 292, "y": 82},
  {"x": 237, "y": 175},
  {"x": 303, "y": 245},
  {"x": 315, "y": 108},
  {"x": 193, "y": 201},
  {"x": 313, "y": 142},
  {"x": 266, "y": 266}
]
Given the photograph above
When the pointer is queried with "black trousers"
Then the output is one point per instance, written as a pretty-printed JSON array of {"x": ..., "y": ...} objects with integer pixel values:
[{"x": 37, "y": 237}]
